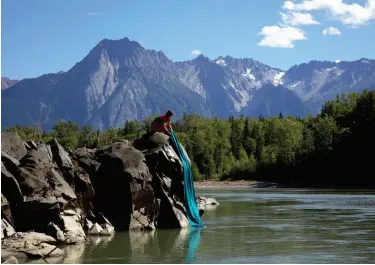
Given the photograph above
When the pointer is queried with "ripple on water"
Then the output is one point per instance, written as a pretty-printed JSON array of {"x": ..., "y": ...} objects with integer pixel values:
[{"x": 254, "y": 226}]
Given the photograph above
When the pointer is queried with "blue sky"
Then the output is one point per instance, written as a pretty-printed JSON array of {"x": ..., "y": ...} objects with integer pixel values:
[{"x": 46, "y": 36}]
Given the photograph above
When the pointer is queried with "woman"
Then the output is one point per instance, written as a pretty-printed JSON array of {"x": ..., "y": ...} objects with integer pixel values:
[{"x": 158, "y": 125}]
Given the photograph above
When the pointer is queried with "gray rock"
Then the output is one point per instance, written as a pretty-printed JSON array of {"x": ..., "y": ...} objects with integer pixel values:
[
  {"x": 85, "y": 167},
  {"x": 45, "y": 190},
  {"x": 5, "y": 210},
  {"x": 34, "y": 245},
  {"x": 10, "y": 260},
  {"x": 73, "y": 230},
  {"x": 38, "y": 175},
  {"x": 32, "y": 144},
  {"x": 171, "y": 214},
  {"x": 122, "y": 181},
  {"x": 6, "y": 228},
  {"x": 55, "y": 232},
  {"x": 10, "y": 186},
  {"x": 95, "y": 229},
  {"x": 88, "y": 224},
  {"x": 139, "y": 221},
  {"x": 203, "y": 201},
  {"x": 12, "y": 144},
  {"x": 36, "y": 213},
  {"x": 6, "y": 253},
  {"x": 167, "y": 171},
  {"x": 108, "y": 230},
  {"x": 60, "y": 155},
  {"x": 70, "y": 212},
  {"x": 85, "y": 158},
  {"x": 9, "y": 162},
  {"x": 34, "y": 236}
]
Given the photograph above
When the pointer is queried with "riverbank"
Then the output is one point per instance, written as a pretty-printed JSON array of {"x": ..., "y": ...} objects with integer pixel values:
[{"x": 217, "y": 184}]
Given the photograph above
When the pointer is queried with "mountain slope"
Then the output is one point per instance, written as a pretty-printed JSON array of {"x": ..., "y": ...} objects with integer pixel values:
[
  {"x": 271, "y": 100},
  {"x": 117, "y": 80},
  {"x": 227, "y": 84},
  {"x": 6, "y": 82},
  {"x": 316, "y": 82}
]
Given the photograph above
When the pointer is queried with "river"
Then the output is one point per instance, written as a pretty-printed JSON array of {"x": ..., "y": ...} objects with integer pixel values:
[{"x": 253, "y": 226}]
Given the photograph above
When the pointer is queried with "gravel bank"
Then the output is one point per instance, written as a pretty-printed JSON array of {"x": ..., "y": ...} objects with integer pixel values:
[{"x": 232, "y": 184}]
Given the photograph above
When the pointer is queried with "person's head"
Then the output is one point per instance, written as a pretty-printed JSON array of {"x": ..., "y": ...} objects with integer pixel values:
[{"x": 169, "y": 113}]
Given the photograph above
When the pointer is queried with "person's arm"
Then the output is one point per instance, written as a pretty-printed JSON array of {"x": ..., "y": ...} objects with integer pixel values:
[
  {"x": 170, "y": 124},
  {"x": 166, "y": 130}
]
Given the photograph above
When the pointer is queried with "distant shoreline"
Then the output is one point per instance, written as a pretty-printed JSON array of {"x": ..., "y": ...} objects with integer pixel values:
[
  {"x": 233, "y": 184},
  {"x": 244, "y": 184}
]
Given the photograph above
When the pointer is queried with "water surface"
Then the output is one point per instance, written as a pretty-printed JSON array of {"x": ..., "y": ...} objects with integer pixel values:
[{"x": 253, "y": 226}]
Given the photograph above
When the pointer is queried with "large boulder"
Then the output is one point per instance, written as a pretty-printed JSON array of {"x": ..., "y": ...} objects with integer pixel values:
[
  {"x": 61, "y": 157},
  {"x": 63, "y": 161},
  {"x": 123, "y": 186},
  {"x": 34, "y": 245},
  {"x": 6, "y": 228},
  {"x": 12, "y": 144},
  {"x": 73, "y": 231},
  {"x": 39, "y": 175},
  {"x": 85, "y": 167},
  {"x": 10, "y": 187},
  {"x": 10, "y": 260},
  {"x": 85, "y": 159},
  {"x": 204, "y": 201},
  {"x": 36, "y": 213},
  {"x": 167, "y": 171},
  {"x": 6, "y": 218},
  {"x": 97, "y": 224},
  {"x": 5, "y": 209},
  {"x": 55, "y": 232}
]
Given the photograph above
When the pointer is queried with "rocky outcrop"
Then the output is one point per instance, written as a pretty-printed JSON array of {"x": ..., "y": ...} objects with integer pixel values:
[
  {"x": 12, "y": 144},
  {"x": 127, "y": 185},
  {"x": 204, "y": 201},
  {"x": 10, "y": 260},
  {"x": 6, "y": 219},
  {"x": 12, "y": 191},
  {"x": 29, "y": 245},
  {"x": 167, "y": 171}
]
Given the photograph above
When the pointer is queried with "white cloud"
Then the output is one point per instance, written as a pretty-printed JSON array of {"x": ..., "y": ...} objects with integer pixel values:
[
  {"x": 95, "y": 14},
  {"x": 298, "y": 18},
  {"x": 331, "y": 31},
  {"x": 349, "y": 14},
  {"x": 289, "y": 5},
  {"x": 196, "y": 52},
  {"x": 281, "y": 37}
]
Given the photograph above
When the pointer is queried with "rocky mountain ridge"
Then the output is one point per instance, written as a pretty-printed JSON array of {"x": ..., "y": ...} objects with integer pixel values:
[{"x": 120, "y": 80}]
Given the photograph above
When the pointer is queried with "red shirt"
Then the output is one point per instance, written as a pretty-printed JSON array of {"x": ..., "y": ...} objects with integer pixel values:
[{"x": 160, "y": 126}]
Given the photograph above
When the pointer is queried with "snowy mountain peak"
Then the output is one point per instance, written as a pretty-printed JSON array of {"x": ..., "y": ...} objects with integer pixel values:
[
  {"x": 220, "y": 61},
  {"x": 278, "y": 78},
  {"x": 248, "y": 74}
]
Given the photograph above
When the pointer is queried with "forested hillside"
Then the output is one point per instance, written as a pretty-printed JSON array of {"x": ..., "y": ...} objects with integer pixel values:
[{"x": 334, "y": 148}]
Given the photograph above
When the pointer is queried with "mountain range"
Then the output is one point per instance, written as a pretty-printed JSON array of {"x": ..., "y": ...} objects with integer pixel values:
[
  {"x": 6, "y": 82},
  {"x": 120, "y": 80}
]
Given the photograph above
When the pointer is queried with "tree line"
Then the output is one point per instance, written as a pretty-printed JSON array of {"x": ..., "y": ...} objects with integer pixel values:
[{"x": 335, "y": 148}]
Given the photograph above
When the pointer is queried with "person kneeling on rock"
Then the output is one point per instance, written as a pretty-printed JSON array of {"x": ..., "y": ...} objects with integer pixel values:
[{"x": 158, "y": 125}]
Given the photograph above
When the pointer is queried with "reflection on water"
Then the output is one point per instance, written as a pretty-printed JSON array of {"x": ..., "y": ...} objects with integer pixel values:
[
  {"x": 252, "y": 226},
  {"x": 162, "y": 246},
  {"x": 193, "y": 244}
]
